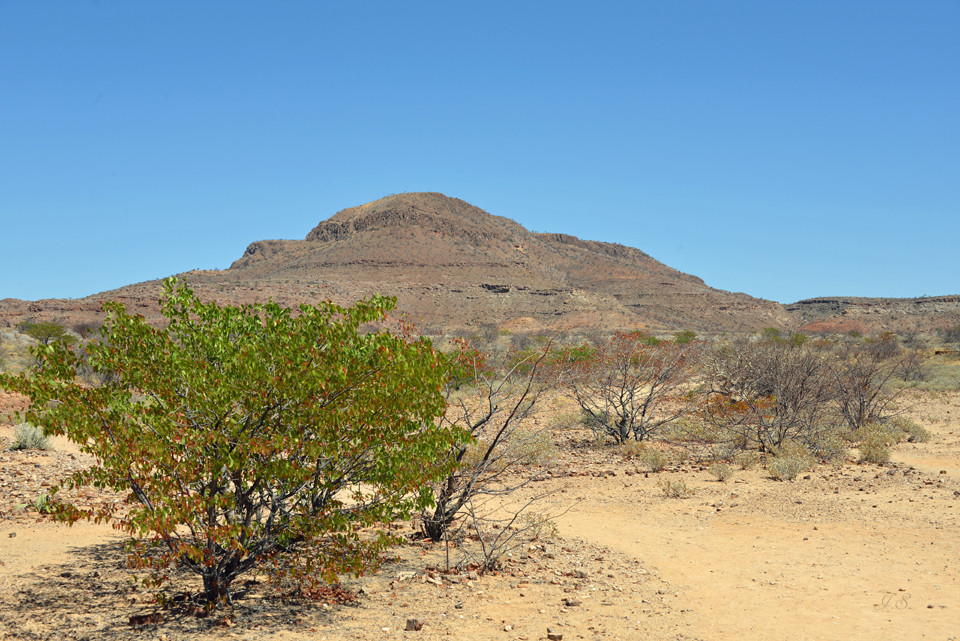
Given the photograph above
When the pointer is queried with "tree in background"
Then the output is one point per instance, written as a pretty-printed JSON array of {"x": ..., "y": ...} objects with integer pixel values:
[
  {"x": 250, "y": 435},
  {"x": 860, "y": 378},
  {"x": 632, "y": 385},
  {"x": 951, "y": 334},
  {"x": 45, "y": 333},
  {"x": 768, "y": 392}
]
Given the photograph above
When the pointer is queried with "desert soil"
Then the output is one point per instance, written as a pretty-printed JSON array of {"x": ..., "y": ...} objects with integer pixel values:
[{"x": 863, "y": 552}]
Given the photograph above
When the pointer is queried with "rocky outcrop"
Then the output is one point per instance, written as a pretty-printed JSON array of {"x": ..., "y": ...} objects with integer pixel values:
[{"x": 844, "y": 314}]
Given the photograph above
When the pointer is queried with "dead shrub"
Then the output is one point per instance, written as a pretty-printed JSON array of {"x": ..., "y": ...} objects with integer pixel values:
[
  {"x": 676, "y": 489},
  {"x": 861, "y": 386},
  {"x": 723, "y": 452},
  {"x": 631, "y": 386},
  {"x": 913, "y": 367},
  {"x": 493, "y": 400},
  {"x": 767, "y": 393},
  {"x": 498, "y": 533}
]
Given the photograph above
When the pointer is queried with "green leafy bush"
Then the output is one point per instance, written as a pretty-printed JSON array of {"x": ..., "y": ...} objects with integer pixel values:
[
  {"x": 255, "y": 435},
  {"x": 42, "y": 504},
  {"x": 45, "y": 333}
]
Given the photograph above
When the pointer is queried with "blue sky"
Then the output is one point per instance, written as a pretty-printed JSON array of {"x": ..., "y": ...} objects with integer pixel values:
[{"x": 786, "y": 150}]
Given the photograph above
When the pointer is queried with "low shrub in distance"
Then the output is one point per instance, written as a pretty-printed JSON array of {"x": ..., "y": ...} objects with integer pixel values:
[
  {"x": 30, "y": 437},
  {"x": 791, "y": 460},
  {"x": 677, "y": 489},
  {"x": 720, "y": 471}
]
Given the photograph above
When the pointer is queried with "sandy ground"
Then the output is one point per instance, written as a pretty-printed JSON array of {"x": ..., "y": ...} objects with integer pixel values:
[{"x": 862, "y": 552}]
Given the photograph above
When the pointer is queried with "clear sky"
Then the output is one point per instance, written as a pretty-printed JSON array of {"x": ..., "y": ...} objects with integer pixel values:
[{"x": 783, "y": 149}]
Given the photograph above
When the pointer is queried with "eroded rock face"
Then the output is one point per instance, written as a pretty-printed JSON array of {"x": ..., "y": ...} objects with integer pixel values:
[{"x": 870, "y": 315}]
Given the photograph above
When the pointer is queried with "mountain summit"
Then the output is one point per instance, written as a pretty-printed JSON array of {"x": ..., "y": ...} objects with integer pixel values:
[{"x": 453, "y": 264}]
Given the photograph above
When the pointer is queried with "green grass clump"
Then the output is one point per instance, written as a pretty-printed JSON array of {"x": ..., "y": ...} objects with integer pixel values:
[
  {"x": 942, "y": 374},
  {"x": 688, "y": 430},
  {"x": 829, "y": 446},
  {"x": 632, "y": 449},
  {"x": 874, "y": 440},
  {"x": 650, "y": 458},
  {"x": 520, "y": 447},
  {"x": 874, "y": 449},
  {"x": 918, "y": 434},
  {"x": 567, "y": 420}
]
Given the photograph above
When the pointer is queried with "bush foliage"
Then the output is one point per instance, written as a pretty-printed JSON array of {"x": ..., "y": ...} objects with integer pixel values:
[{"x": 248, "y": 435}]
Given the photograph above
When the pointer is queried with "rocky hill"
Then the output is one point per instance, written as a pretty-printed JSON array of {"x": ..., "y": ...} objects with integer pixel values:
[{"x": 454, "y": 266}]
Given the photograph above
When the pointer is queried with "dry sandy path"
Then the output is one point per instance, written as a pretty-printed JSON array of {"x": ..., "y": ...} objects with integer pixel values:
[{"x": 795, "y": 562}]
